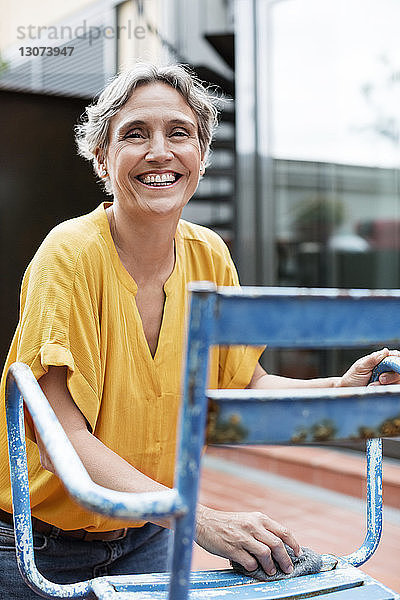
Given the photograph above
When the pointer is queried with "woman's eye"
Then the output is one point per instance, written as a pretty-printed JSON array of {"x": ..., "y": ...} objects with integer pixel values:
[
  {"x": 180, "y": 133},
  {"x": 134, "y": 134}
]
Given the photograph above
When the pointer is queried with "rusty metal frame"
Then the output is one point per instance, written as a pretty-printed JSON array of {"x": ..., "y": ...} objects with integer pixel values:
[{"x": 225, "y": 316}]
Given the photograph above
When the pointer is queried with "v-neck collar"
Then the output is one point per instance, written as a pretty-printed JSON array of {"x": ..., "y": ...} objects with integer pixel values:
[{"x": 128, "y": 282}]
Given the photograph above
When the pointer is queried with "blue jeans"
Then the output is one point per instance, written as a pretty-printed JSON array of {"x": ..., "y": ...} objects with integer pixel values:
[{"x": 143, "y": 550}]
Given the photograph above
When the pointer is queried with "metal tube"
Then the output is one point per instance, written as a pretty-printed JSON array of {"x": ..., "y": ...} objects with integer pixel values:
[
  {"x": 21, "y": 504},
  {"x": 374, "y": 505},
  {"x": 190, "y": 444}
]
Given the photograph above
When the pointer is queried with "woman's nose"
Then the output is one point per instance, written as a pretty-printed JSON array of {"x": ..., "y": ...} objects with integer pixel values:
[{"x": 159, "y": 149}]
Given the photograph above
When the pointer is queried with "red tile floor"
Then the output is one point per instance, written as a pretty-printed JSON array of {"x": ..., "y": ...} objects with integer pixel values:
[{"x": 321, "y": 519}]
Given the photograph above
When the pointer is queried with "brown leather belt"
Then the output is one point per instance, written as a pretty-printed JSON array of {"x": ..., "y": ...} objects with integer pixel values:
[{"x": 76, "y": 534}]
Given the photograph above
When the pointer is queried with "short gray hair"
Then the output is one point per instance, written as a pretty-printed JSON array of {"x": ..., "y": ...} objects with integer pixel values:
[{"x": 92, "y": 133}]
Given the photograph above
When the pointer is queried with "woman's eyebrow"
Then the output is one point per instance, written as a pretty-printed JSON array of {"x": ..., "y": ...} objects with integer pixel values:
[
  {"x": 184, "y": 122},
  {"x": 130, "y": 125},
  {"x": 140, "y": 123}
]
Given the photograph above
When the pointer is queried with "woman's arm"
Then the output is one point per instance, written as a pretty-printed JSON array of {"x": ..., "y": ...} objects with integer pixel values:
[
  {"x": 237, "y": 536},
  {"x": 359, "y": 374},
  {"x": 104, "y": 466}
]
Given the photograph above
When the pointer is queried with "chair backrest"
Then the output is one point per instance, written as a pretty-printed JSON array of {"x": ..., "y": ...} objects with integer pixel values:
[
  {"x": 283, "y": 318},
  {"x": 292, "y": 318},
  {"x": 296, "y": 317}
]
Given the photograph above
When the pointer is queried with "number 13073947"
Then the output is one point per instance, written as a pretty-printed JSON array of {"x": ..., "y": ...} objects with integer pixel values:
[{"x": 46, "y": 50}]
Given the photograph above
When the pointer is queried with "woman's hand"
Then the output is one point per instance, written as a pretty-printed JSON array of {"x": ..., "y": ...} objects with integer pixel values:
[
  {"x": 360, "y": 372},
  {"x": 245, "y": 536}
]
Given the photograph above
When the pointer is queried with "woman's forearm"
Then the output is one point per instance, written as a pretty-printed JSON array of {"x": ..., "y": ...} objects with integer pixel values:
[
  {"x": 108, "y": 469},
  {"x": 359, "y": 374},
  {"x": 271, "y": 382}
]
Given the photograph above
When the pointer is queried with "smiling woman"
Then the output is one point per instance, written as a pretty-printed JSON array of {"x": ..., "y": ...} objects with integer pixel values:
[
  {"x": 102, "y": 326},
  {"x": 92, "y": 135}
]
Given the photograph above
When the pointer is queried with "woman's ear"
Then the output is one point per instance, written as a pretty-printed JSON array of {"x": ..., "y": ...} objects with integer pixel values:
[
  {"x": 202, "y": 167},
  {"x": 101, "y": 167}
]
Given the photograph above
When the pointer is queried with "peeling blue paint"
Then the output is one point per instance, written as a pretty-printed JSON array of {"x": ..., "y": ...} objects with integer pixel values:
[{"x": 255, "y": 416}]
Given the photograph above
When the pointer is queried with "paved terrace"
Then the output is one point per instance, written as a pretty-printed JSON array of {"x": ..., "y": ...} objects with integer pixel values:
[{"x": 286, "y": 484}]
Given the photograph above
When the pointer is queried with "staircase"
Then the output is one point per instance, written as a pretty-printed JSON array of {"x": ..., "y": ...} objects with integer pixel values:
[{"x": 213, "y": 204}]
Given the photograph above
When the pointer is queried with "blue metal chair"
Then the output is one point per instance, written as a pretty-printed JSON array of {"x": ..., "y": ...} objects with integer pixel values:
[{"x": 283, "y": 318}]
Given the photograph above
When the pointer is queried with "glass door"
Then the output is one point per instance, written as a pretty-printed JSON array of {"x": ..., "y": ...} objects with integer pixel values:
[{"x": 333, "y": 144}]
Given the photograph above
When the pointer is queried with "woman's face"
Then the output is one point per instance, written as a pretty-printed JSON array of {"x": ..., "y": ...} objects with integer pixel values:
[{"x": 154, "y": 158}]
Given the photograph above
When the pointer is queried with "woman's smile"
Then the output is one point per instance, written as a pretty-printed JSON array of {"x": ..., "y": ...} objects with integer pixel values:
[{"x": 157, "y": 179}]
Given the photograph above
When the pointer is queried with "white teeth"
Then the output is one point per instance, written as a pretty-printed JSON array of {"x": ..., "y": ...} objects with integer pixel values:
[{"x": 160, "y": 179}]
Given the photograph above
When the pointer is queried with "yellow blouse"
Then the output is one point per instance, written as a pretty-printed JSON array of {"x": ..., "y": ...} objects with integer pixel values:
[{"x": 78, "y": 309}]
